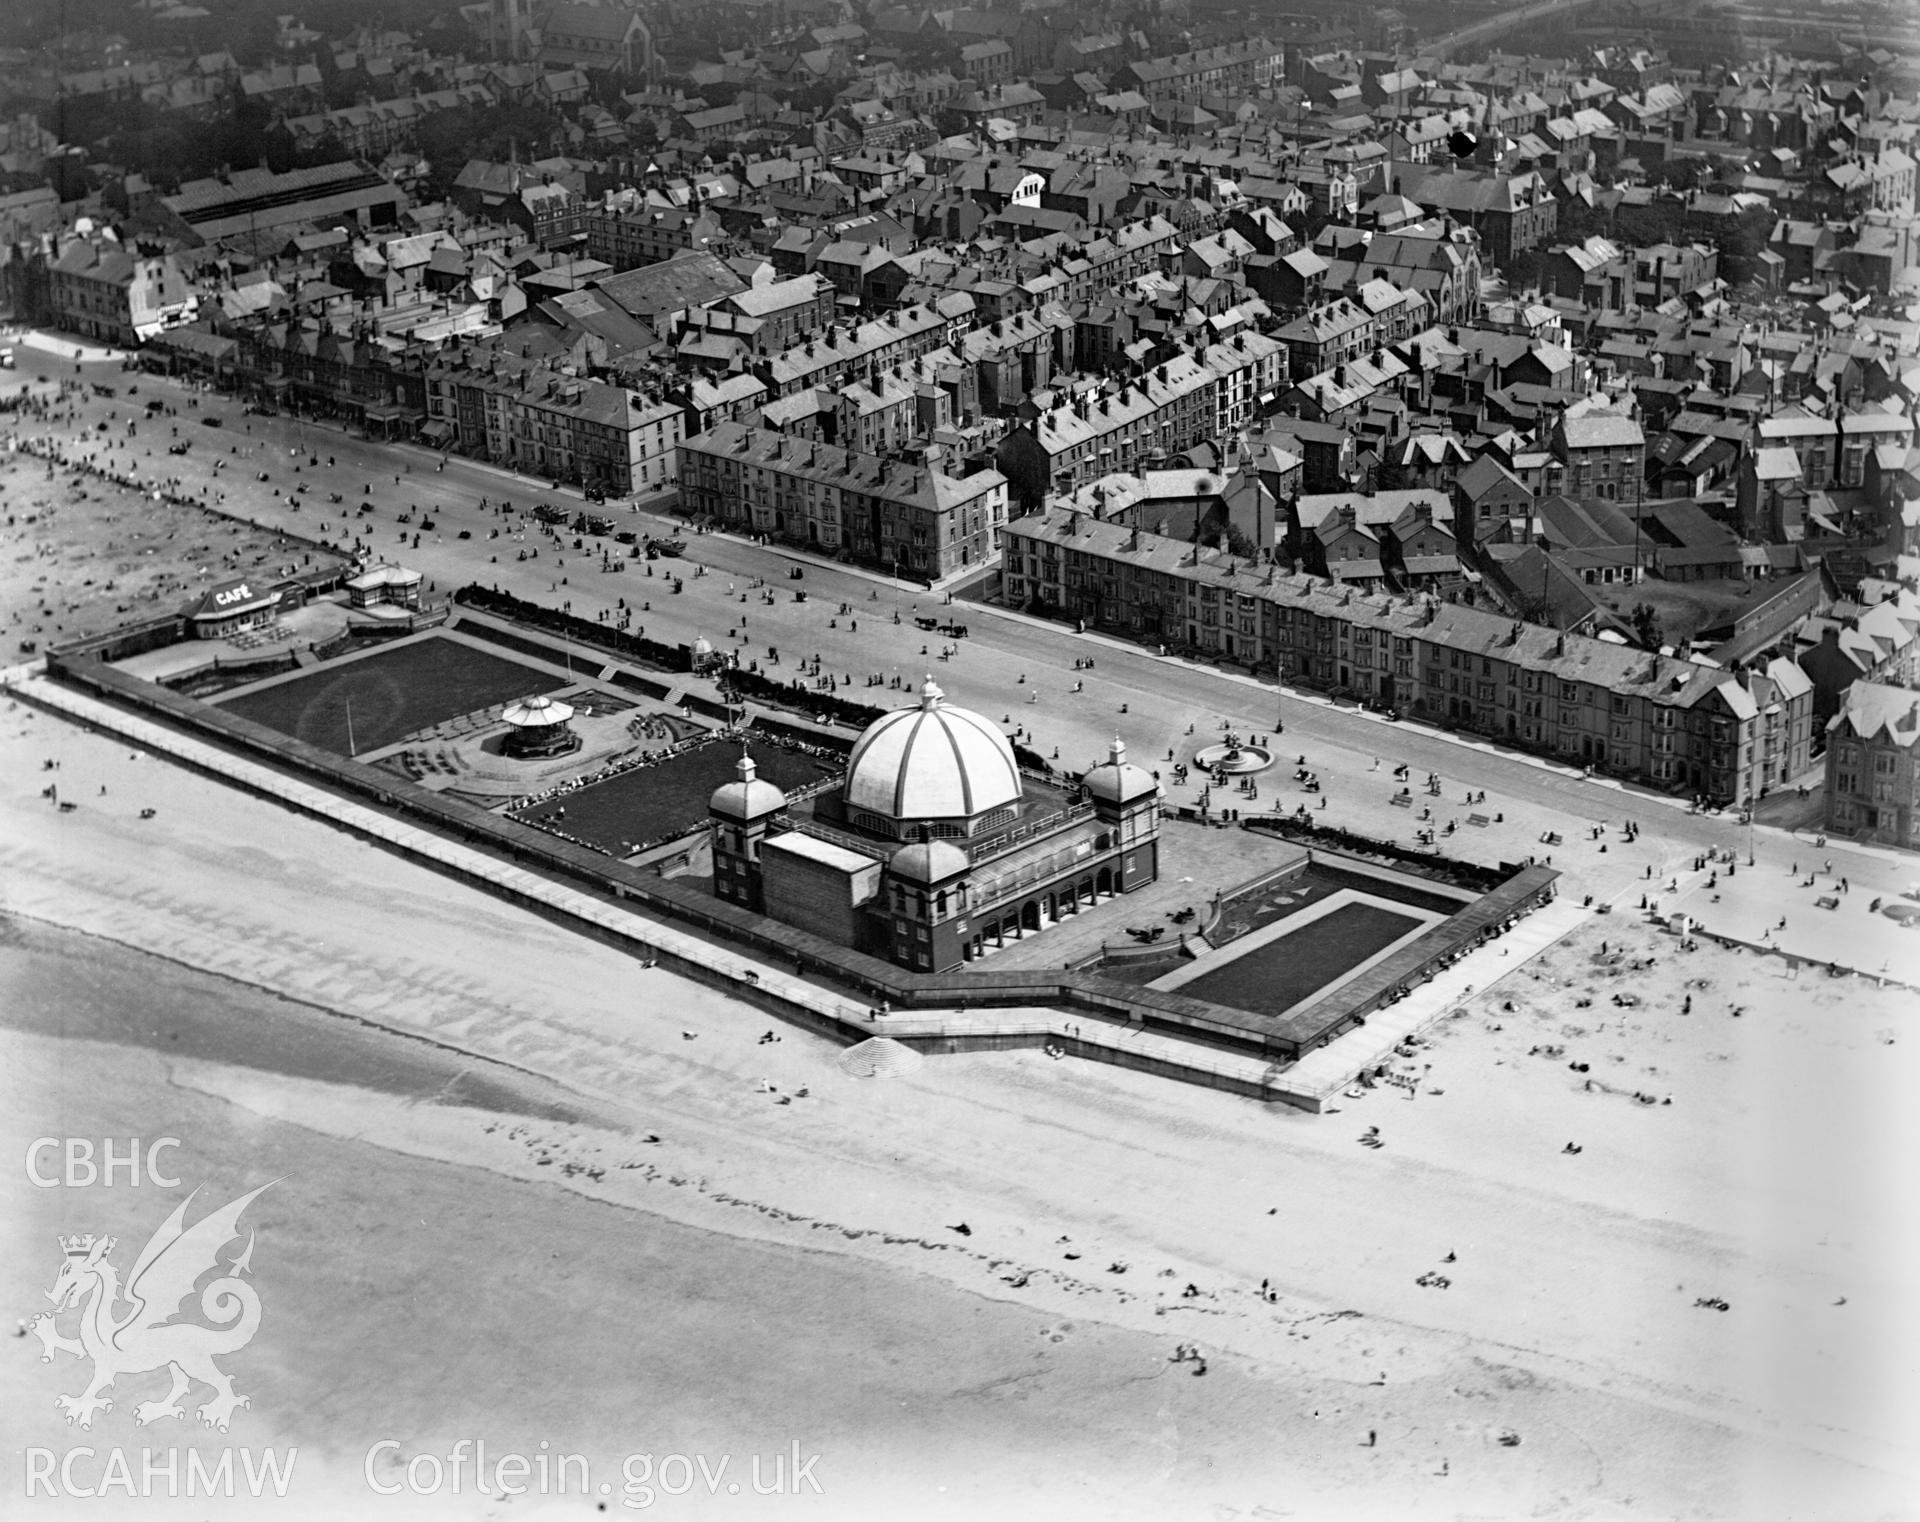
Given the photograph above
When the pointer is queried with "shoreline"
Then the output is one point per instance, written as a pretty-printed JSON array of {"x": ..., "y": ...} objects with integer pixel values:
[
  {"x": 429, "y": 1135},
  {"x": 359, "y": 1023}
]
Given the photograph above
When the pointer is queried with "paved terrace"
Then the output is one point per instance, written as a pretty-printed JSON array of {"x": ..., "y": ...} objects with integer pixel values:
[
  {"x": 1113, "y": 1035},
  {"x": 1198, "y": 863}
]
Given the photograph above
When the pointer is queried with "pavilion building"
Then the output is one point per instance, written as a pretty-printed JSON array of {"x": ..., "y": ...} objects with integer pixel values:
[
  {"x": 935, "y": 850},
  {"x": 231, "y": 608}
]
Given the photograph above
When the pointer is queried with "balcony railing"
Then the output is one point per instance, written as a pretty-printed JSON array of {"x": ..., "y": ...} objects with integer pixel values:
[
  {"x": 990, "y": 891},
  {"x": 860, "y": 844},
  {"x": 1059, "y": 819},
  {"x": 994, "y": 843}
]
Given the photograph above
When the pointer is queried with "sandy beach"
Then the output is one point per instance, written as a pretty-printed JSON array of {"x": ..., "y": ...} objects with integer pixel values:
[
  {"x": 527, "y": 1312},
  {"x": 85, "y": 555},
  {"x": 424, "y": 1066}
]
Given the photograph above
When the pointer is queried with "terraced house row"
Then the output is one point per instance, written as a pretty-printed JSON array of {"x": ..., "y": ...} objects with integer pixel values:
[
  {"x": 1245, "y": 67},
  {"x": 1075, "y": 270},
  {"x": 1209, "y": 394},
  {"x": 563, "y": 427},
  {"x": 838, "y": 355},
  {"x": 909, "y": 515},
  {"x": 1696, "y": 729}
]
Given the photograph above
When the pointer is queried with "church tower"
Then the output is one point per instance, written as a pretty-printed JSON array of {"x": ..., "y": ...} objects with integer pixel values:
[{"x": 507, "y": 29}]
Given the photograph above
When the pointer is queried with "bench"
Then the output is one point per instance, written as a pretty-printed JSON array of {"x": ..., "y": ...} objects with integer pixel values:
[
  {"x": 1827, "y": 903},
  {"x": 1549, "y": 838},
  {"x": 1402, "y": 801},
  {"x": 1479, "y": 820}
]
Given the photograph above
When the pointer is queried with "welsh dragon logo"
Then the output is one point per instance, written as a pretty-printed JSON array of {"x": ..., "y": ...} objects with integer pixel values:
[{"x": 146, "y": 1337}]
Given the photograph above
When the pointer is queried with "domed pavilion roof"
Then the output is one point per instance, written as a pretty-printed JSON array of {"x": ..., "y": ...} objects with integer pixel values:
[
  {"x": 931, "y": 762},
  {"x": 536, "y": 712},
  {"x": 747, "y": 797},
  {"x": 1117, "y": 780},
  {"x": 929, "y": 861}
]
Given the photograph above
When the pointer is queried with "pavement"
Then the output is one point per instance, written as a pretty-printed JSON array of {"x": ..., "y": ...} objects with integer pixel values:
[
  {"x": 1809, "y": 914},
  {"x": 1197, "y": 864},
  {"x": 78, "y": 350}
]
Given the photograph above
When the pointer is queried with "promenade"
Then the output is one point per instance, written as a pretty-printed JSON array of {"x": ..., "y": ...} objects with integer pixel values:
[{"x": 952, "y": 1030}]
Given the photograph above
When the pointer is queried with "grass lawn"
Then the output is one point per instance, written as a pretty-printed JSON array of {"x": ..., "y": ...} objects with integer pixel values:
[
  {"x": 664, "y": 799},
  {"x": 1683, "y": 607},
  {"x": 1278, "y": 975},
  {"x": 390, "y": 694}
]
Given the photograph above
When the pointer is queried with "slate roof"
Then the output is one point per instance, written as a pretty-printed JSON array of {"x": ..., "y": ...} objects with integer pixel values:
[{"x": 686, "y": 280}]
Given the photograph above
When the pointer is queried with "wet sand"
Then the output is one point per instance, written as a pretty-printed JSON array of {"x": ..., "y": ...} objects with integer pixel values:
[
  {"x": 428, "y": 1301},
  {"x": 412, "y": 1296}
]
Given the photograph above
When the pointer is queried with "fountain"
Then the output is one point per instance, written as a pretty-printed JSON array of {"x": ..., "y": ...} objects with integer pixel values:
[{"x": 1233, "y": 758}]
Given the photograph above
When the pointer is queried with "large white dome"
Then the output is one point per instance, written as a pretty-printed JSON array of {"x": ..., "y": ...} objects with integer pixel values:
[{"x": 931, "y": 762}]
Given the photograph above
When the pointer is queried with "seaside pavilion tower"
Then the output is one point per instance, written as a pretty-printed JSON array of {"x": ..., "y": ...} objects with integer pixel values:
[
  {"x": 743, "y": 811},
  {"x": 1127, "y": 797}
]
